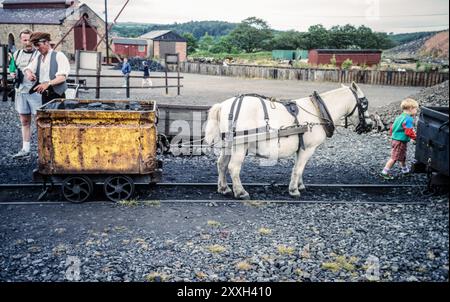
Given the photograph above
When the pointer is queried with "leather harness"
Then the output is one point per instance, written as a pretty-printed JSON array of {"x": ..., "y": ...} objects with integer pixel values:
[
  {"x": 293, "y": 109},
  {"x": 324, "y": 114},
  {"x": 290, "y": 106}
]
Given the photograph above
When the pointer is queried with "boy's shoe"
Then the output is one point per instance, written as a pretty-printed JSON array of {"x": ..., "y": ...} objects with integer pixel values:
[
  {"x": 387, "y": 176},
  {"x": 406, "y": 173},
  {"x": 21, "y": 154}
]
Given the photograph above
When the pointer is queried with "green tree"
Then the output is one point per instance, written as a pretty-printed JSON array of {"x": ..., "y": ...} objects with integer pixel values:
[
  {"x": 343, "y": 37},
  {"x": 224, "y": 45},
  {"x": 288, "y": 40},
  {"x": 206, "y": 42},
  {"x": 192, "y": 44},
  {"x": 317, "y": 37},
  {"x": 251, "y": 35}
]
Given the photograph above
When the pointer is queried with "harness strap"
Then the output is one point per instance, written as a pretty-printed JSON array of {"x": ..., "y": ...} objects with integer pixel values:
[
  {"x": 290, "y": 106},
  {"x": 232, "y": 121},
  {"x": 324, "y": 114},
  {"x": 230, "y": 116}
]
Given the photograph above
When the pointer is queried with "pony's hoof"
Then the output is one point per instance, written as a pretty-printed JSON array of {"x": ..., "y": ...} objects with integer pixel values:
[
  {"x": 302, "y": 188},
  {"x": 295, "y": 193},
  {"x": 224, "y": 191},
  {"x": 243, "y": 196}
]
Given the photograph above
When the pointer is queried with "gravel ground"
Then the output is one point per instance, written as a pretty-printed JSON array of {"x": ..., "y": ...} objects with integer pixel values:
[
  {"x": 155, "y": 241},
  {"x": 435, "y": 96},
  {"x": 233, "y": 242}
]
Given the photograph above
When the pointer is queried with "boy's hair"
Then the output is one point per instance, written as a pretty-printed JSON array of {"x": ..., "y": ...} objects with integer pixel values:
[{"x": 408, "y": 104}]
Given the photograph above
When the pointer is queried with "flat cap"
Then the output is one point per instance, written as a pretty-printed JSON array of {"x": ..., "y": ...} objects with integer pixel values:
[{"x": 39, "y": 37}]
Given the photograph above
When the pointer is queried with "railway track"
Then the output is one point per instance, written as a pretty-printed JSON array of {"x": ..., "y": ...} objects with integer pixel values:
[
  {"x": 168, "y": 185},
  {"x": 206, "y": 193}
]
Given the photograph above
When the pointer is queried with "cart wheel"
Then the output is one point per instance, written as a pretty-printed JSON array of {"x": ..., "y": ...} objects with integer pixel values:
[
  {"x": 77, "y": 189},
  {"x": 118, "y": 187}
]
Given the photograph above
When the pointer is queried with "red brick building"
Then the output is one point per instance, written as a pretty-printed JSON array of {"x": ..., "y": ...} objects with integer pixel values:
[
  {"x": 127, "y": 47},
  {"x": 367, "y": 57}
]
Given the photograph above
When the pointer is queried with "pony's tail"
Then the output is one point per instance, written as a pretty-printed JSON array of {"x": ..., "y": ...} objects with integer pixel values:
[{"x": 212, "y": 130}]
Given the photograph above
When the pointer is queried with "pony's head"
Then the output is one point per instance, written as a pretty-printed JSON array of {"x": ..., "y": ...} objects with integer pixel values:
[{"x": 357, "y": 114}]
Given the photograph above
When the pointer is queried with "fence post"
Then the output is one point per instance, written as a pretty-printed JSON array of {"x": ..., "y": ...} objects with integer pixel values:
[
  {"x": 127, "y": 80},
  {"x": 97, "y": 78},
  {"x": 178, "y": 73},
  {"x": 5, "y": 72}
]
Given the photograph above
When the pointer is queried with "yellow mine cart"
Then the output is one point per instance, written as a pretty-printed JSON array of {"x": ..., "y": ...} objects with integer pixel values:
[{"x": 86, "y": 142}]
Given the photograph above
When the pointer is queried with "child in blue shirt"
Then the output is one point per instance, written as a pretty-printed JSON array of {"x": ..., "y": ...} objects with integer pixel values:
[{"x": 402, "y": 132}]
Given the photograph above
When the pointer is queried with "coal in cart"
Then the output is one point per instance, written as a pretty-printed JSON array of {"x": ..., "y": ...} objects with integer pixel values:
[
  {"x": 84, "y": 143},
  {"x": 432, "y": 148}
]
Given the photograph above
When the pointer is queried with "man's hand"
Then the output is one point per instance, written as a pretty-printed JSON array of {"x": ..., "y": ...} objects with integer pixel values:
[
  {"x": 413, "y": 141},
  {"x": 42, "y": 87},
  {"x": 31, "y": 76}
]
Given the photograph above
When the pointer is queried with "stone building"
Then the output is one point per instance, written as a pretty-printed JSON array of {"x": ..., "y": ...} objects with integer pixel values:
[
  {"x": 56, "y": 17},
  {"x": 161, "y": 42}
]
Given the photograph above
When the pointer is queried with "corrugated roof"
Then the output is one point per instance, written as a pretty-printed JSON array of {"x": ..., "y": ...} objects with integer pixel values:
[
  {"x": 129, "y": 41},
  {"x": 154, "y": 34},
  {"x": 33, "y": 16}
]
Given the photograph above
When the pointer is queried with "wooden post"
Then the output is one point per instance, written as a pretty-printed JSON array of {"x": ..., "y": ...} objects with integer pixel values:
[
  {"x": 5, "y": 72},
  {"x": 167, "y": 81},
  {"x": 77, "y": 66},
  {"x": 97, "y": 78},
  {"x": 178, "y": 73},
  {"x": 127, "y": 79}
]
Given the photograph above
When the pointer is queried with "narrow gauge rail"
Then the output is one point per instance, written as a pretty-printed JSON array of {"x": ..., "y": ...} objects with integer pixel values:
[
  {"x": 185, "y": 196},
  {"x": 193, "y": 185},
  {"x": 216, "y": 202}
]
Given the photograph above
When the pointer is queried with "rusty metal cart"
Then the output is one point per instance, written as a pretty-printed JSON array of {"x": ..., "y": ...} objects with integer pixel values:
[{"x": 82, "y": 143}]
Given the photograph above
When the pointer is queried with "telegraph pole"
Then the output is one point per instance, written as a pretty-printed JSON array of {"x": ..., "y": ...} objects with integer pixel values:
[{"x": 106, "y": 32}]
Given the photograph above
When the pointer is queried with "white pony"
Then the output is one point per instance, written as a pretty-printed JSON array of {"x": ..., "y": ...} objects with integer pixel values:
[{"x": 341, "y": 103}]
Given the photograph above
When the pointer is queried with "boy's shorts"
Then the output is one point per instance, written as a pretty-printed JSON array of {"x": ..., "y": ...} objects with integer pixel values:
[
  {"x": 398, "y": 152},
  {"x": 28, "y": 103}
]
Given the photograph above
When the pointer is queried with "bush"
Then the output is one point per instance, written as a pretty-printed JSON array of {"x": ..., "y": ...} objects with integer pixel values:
[
  {"x": 333, "y": 60},
  {"x": 347, "y": 64},
  {"x": 418, "y": 64},
  {"x": 427, "y": 67}
]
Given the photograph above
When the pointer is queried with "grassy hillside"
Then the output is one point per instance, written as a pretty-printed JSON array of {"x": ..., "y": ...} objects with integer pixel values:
[
  {"x": 197, "y": 28},
  {"x": 399, "y": 39}
]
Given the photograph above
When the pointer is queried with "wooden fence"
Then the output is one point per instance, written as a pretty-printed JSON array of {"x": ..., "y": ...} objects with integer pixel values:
[{"x": 373, "y": 77}]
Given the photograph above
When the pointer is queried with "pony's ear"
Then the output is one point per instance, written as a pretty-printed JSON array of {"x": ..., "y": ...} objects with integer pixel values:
[
  {"x": 343, "y": 86},
  {"x": 354, "y": 86}
]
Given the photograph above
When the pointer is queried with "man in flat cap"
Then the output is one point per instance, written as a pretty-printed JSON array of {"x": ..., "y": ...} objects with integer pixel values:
[{"x": 50, "y": 69}]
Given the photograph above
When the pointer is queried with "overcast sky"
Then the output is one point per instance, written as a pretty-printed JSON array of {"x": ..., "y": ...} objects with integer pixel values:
[{"x": 381, "y": 15}]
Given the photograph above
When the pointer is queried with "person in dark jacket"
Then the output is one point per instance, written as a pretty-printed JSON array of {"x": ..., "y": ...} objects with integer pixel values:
[
  {"x": 146, "y": 79},
  {"x": 126, "y": 70}
]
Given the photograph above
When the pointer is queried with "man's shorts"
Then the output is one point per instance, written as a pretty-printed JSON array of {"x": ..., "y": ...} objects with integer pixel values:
[
  {"x": 398, "y": 152},
  {"x": 28, "y": 103}
]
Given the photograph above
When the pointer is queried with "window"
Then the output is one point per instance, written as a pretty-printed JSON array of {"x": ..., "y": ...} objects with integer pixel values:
[{"x": 141, "y": 48}]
